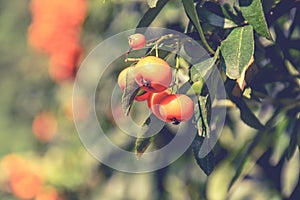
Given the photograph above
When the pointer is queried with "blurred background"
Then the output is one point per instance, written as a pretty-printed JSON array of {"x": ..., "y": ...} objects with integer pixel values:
[{"x": 43, "y": 43}]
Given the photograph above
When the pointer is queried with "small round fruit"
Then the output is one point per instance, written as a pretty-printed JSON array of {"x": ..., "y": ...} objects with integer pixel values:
[
  {"x": 176, "y": 108},
  {"x": 154, "y": 101},
  {"x": 137, "y": 41},
  {"x": 44, "y": 127},
  {"x": 122, "y": 77},
  {"x": 25, "y": 184},
  {"x": 153, "y": 74},
  {"x": 142, "y": 96}
]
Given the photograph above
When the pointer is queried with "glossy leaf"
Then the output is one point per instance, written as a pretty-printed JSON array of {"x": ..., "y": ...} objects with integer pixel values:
[
  {"x": 214, "y": 19},
  {"x": 207, "y": 164},
  {"x": 131, "y": 90},
  {"x": 237, "y": 51},
  {"x": 252, "y": 11},
  {"x": 151, "y": 14}
]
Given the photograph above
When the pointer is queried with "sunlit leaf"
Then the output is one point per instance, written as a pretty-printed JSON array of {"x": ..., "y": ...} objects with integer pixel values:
[
  {"x": 237, "y": 51},
  {"x": 290, "y": 174},
  {"x": 281, "y": 141},
  {"x": 252, "y": 11},
  {"x": 294, "y": 128},
  {"x": 152, "y": 3},
  {"x": 196, "y": 88},
  {"x": 218, "y": 182}
]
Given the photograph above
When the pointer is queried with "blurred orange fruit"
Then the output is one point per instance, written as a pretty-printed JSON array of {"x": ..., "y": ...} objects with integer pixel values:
[
  {"x": 25, "y": 184},
  {"x": 44, "y": 126}
]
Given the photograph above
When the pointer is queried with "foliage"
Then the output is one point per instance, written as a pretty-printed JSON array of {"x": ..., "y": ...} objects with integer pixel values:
[{"x": 253, "y": 44}]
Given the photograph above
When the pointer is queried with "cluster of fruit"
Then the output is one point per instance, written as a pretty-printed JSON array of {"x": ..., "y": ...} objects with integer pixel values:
[
  {"x": 24, "y": 179},
  {"x": 154, "y": 76},
  {"x": 55, "y": 30}
]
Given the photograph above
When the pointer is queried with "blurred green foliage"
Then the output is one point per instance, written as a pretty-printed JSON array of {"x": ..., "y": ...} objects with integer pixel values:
[{"x": 26, "y": 90}]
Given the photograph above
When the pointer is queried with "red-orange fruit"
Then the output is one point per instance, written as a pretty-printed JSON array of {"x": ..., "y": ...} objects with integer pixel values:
[
  {"x": 176, "y": 108},
  {"x": 154, "y": 101},
  {"x": 137, "y": 41},
  {"x": 153, "y": 74}
]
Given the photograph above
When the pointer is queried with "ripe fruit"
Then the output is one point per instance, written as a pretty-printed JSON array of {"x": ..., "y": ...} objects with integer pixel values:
[
  {"x": 122, "y": 77},
  {"x": 176, "y": 108},
  {"x": 153, "y": 74},
  {"x": 12, "y": 163},
  {"x": 44, "y": 126},
  {"x": 25, "y": 184},
  {"x": 154, "y": 101},
  {"x": 22, "y": 175},
  {"x": 137, "y": 41},
  {"x": 141, "y": 96}
]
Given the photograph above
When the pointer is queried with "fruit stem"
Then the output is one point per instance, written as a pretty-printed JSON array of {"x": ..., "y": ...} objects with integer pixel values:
[
  {"x": 132, "y": 59},
  {"x": 156, "y": 50},
  {"x": 156, "y": 42}
]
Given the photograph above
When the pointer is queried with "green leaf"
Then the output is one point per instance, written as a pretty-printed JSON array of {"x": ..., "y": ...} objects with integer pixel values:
[
  {"x": 214, "y": 19},
  {"x": 150, "y": 127},
  {"x": 203, "y": 69},
  {"x": 191, "y": 12},
  {"x": 247, "y": 115},
  {"x": 131, "y": 90},
  {"x": 152, "y": 3},
  {"x": 240, "y": 159},
  {"x": 202, "y": 113},
  {"x": 280, "y": 140},
  {"x": 290, "y": 175},
  {"x": 151, "y": 14},
  {"x": 252, "y": 11},
  {"x": 196, "y": 88},
  {"x": 237, "y": 51},
  {"x": 207, "y": 163},
  {"x": 294, "y": 128}
]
